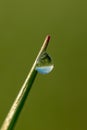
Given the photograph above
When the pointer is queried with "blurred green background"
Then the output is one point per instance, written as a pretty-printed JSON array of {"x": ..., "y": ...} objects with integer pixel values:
[{"x": 57, "y": 101}]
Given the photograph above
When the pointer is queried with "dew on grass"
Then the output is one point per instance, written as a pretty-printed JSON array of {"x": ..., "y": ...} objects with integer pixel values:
[{"x": 44, "y": 64}]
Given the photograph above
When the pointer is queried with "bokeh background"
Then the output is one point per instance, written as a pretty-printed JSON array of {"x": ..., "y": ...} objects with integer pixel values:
[{"x": 57, "y": 101}]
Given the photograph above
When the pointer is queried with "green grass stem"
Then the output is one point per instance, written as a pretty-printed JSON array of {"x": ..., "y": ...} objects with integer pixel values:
[{"x": 18, "y": 104}]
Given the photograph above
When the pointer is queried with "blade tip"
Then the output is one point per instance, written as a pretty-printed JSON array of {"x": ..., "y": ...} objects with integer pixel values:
[{"x": 48, "y": 38}]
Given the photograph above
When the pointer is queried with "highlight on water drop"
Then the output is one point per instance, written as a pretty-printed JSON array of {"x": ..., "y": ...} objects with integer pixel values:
[
  {"x": 44, "y": 64},
  {"x": 45, "y": 69}
]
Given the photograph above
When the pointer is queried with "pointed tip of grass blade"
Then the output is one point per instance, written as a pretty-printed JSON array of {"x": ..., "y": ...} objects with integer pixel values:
[{"x": 47, "y": 39}]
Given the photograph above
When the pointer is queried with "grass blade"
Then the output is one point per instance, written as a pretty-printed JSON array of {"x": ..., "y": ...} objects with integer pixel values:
[{"x": 18, "y": 104}]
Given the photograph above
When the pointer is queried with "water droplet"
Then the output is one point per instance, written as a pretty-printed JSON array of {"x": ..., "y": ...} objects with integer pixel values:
[{"x": 44, "y": 64}]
